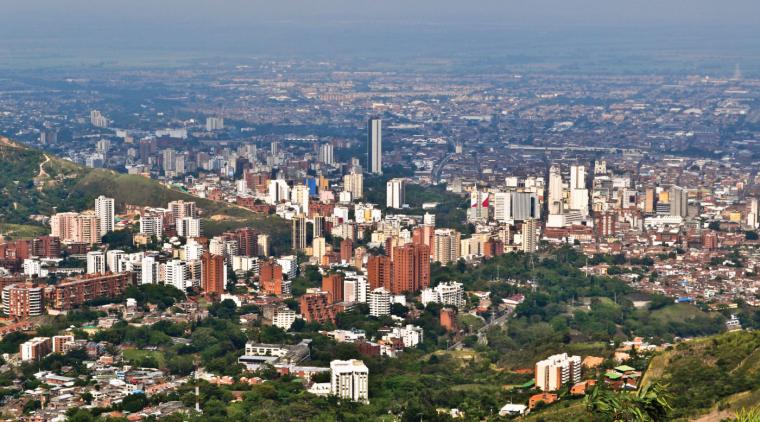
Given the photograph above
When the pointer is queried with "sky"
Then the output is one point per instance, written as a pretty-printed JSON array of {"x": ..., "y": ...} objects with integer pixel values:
[{"x": 36, "y": 29}]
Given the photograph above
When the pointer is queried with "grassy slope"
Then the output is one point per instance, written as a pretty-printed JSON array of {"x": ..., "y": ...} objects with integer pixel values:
[{"x": 66, "y": 186}]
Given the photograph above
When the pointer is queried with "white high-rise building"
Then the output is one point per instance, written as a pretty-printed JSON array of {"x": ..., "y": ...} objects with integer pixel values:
[
  {"x": 448, "y": 293},
  {"x": 326, "y": 154},
  {"x": 679, "y": 201},
  {"x": 300, "y": 196},
  {"x": 96, "y": 262},
  {"x": 395, "y": 193},
  {"x": 555, "y": 190},
  {"x": 752, "y": 215},
  {"x": 97, "y": 119},
  {"x": 113, "y": 260},
  {"x": 104, "y": 212},
  {"x": 379, "y": 302},
  {"x": 349, "y": 380},
  {"x": 189, "y": 227},
  {"x": 214, "y": 123},
  {"x": 354, "y": 183},
  {"x": 557, "y": 371},
  {"x": 149, "y": 270},
  {"x": 152, "y": 225},
  {"x": 177, "y": 274},
  {"x": 577, "y": 177},
  {"x": 278, "y": 191},
  {"x": 529, "y": 236},
  {"x": 375, "y": 146}
]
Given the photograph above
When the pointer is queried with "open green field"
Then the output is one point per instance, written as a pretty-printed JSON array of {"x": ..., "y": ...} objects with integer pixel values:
[{"x": 139, "y": 356}]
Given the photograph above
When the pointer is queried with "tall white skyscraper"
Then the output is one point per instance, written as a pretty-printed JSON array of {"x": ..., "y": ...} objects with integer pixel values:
[
  {"x": 679, "y": 201},
  {"x": 577, "y": 177},
  {"x": 214, "y": 123},
  {"x": 104, "y": 212},
  {"x": 555, "y": 190},
  {"x": 149, "y": 270},
  {"x": 395, "y": 193},
  {"x": 578, "y": 192},
  {"x": 326, "y": 154},
  {"x": 96, "y": 262},
  {"x": 375, "y": 146}
]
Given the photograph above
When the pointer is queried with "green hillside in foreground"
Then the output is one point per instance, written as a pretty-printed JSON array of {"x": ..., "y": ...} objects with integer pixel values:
[
  {"x": 32, "y": 182},
  {"x": 709, "y": 379}
]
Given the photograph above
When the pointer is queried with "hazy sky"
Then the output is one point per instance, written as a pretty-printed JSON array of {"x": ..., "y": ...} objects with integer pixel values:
[{"x": 75, "y": 28}]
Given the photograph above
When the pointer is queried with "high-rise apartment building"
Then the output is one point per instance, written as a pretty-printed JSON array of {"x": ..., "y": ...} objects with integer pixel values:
[
  {"x": 379, "y": 271},
  {"x": 557, "y": 371},
  {"x": 411, "y": 268},
  {"x": 104, "y": 211},
  {"x": 529, "y": 236},
  {"x": 333, "y": 285},
  {"x": 23, "y": 300},
  {"x": 379, "y": 301},
  {"x": 213, "y": 274},
  {"x": 395, "y": 193},
  {"x": 349, "y": 380},
  {"x": 446, "y": 246},
  {"x": 354, "y": 183},
  {"x": 96, "y": 262}
]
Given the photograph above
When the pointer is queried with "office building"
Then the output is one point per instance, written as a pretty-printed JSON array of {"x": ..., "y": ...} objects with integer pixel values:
[
  {"x": 557, "y": 371},
  {"x": 679, "y": 201},
  {"x": 349, "y": 380},
  {"x": 375, "y": 146},
  {"x": 556, "y": 195},
  {"x": 298, "y": 232}
]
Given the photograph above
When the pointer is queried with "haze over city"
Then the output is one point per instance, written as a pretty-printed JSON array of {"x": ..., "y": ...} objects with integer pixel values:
[{"x": 387, "y": 211}]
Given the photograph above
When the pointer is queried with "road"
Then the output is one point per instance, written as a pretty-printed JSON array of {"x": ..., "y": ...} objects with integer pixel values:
[
  {"x": 436, "y": 173},
  {"x": 496, "y": 321}
]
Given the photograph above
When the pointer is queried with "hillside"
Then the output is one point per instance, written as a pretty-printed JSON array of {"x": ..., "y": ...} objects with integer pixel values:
[
  {"x": 32, "y": 182},
  {"x": 715, "y": 375}
]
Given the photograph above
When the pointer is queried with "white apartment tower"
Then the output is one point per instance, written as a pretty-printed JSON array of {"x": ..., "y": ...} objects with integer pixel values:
[
  {"x": 104, "y": 212},
  {"x": 349, "y": 380},
  {"x": 395, "y": 193}
]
